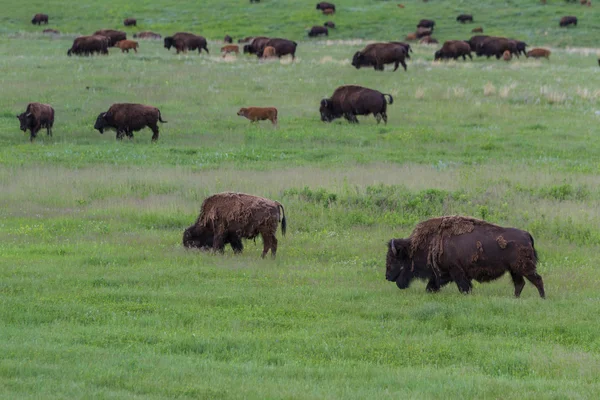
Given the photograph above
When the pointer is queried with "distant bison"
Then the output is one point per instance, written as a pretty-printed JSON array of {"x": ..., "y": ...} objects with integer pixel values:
[
  {"x": 329, "y": 24},
  {"x": 126, "y": 45},
  {"x": 328, "y": 11},
  {"x": 426, "y": 23},
  {"x": 36, "y": 117},
  {"x": 568, "y": 20},
  {"x": 259, "y": 114},
  {"x": 130, "y": 22},
  {"x": 325, "y": 5},
  {"x": 318, "y": 30},
  {"x": 147, "y": 35},
  {"x": 227, "y": 39},
  {"x": 39, "y": 19},
  {"x": 422, "y": 32},
  {"x": 463, "y": 18},
  {"x": 269, "y": 52},
  {"x": 51, "y": 32},
  {"x": 538, "y": 53},
  {"x": 352, "y": 100},
  {"x": 477, "y": 30},
  {"x": 282, "y": 47},
  {"x": 428, "y": 40},
  {"x": 453, "y": 49},
  {"x": 183, "y": 41},
  {"x": 229, "y": 216},
  {"x": 461, "y": 249},
  {"x": 376, "y": 55},
  {"x": 230, "y": 48},
  {"x": 127, "y": 118},
  {"x": 112, "y": 35},
  {"x": 89, "y": 45}
]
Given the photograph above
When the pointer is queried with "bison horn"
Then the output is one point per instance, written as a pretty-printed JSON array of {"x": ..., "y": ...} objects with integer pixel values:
[
  {"x": 393, "y": 248},
  {"x": 324, "y": 102},
  {"x": 28, "y": 114}
]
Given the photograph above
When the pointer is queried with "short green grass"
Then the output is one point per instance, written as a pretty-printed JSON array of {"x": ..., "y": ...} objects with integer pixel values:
[{"x": 99, "y": 300}]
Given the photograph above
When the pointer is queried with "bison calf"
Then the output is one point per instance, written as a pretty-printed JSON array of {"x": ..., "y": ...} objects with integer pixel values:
[
  {"x": 507, "y": 56},
  {"x": 227, "y": 217},
  {"x": 39, "y": 19},
  {"x": 36, "y": 117},
  {"x": 538, "y": 53},
  {"x": 259, "y": 114},
  {"x": 127, "y": 118},
  {"x": 462, "y": 249},
  {"x": 269, "y": 52},
  {"x": 230, "y": 48},
  {"x": 126, "y": 45},
  {"x": 463, "y": 18},
  {"x": 329, "y": 24},
  {"x": 477, "y": 30}
]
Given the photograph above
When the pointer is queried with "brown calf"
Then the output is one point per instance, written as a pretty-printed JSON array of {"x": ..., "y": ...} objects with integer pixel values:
[
  {"x": 328, "y": 11},
  {"x": 230, "y": 48},
  {"x": 259, "y": 114},
  {"x": 477, "y": 30},
  {"x": 269, "y": 52},
  {"x": 538, "y": 53},
  {"x": 507, "y": 56},
  {"x": 411, "y": 36},
  {"x": 126, "y": 45}
]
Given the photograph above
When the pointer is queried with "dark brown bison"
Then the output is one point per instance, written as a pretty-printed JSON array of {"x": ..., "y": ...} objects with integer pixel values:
[
  {"x": 130, "y": 22},
  {"x": 422, "y": 32},
  {"x": 256, "y": 45},
  {"x": 246, "y": 39},
  {"x": 461, "y": 249},
  {"x": 227, "y": 39},
  {"x": 568, "y": 20},
  {"x": 318, "y": 30},
  {"x": 128, "y": 118},
  {"x": 464, "y": 18},
  {"x": 351, "y": 100},
  {"x": 112, "y": 35},
  {"x": 495, "y": 46},
  {"x": 89, "y": 45},
  {"x": 476, "y": 40},
  {"x": 183, "y": 41},
  {"x": 376, "y": 55},
  {"x": 539, "y": 53},
  {"x": 39, "y": 19},
  {"x": 329, "y": 24},
  {"x": 229, "y": 216},
  {"x": 282, "y": 47},
  {"x": 406, "y": 47},
  {"x": 36, "y": 117},
  {"x": 453, "y": 49},
  {"x": 426, "y": 23},
  {"x": 325, "y": 5},
  {"x": 259, "y": 114},
  {"x": 147, "y": 35},
  {"x": 521, "y": 47}
]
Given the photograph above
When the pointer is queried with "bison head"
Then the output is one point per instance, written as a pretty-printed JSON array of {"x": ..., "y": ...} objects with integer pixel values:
[
  {"x": 249, "y": 49},
  {"x": 357, "y": 59},
  {"x": 326, "y": 110},
  {"x": 101, "y": 122},
  {"x": 398, "y": 266},
  {"x": 437, "y": 55},
  {"x": 198, "y": 237},
  {"x": 169, "y": 42},
  {"x": 24, "y": 118}
]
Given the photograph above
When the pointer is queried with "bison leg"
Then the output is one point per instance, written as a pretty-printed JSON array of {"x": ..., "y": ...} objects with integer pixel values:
[
  {"x": 236, "y": 244},
  {"x": 218, "y": 244},
  {"x": 458, "y": 276},
  {"x": 384, "y": 116},
  {"x": 155, "y": 133},
  {"x": 471, "y": 57},
  {"x": 519, "y": 283},
  {"x": 396, "y": 65},
  {"x": 433, "y": 286},
  {"x": 273, "y": 246},
  {"x": 403, "y": 64},
  {"x": 534, "y": 278},
  {"x": 266, "y": 245}
]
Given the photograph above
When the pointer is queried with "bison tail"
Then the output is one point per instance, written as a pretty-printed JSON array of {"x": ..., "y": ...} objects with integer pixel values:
[
  {"x": 160, "y": 118},
  {"x": 283, "y": 220},
  {"x": 390, "y": 96},
  {"x": 535, "y": 254}
]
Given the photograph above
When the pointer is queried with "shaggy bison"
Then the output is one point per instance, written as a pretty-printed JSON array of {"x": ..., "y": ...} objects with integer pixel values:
[
  {"x": 318, "y": 30},
  {"x": 461, "y": 249},
  {"x": 147, "y": 35},
  {"x": 130, "y": 22},
  {"x": 453, "y": 49},
  {"x": 229, "y": 216},
  {"x": 259, "y": 114},
  {"x": 36, "y": 117},
  {"x": 325, "y": 5},
  {"x": 126, "y": 45},
  {"x": 183, "y": 41},
  {"x": 112, "y": 35},
  {"x": 89, "y": 45},
  {"x": 463, "y": 18},
  {"x": 282, "y": 47},
  {"x": 538, "y": 53},
  {"x": 39, "y": 19},
  {"x": 127, "y": 118},
  {"x": 351, "y": 100},
  {"x": 376, "y": 55},
  {"x": 476, "y": 40},
  {"x": 568, "y": 20}
]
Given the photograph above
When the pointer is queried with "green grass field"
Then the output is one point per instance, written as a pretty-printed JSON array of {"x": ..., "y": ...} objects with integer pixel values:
[{"x": 98, "y": 299}]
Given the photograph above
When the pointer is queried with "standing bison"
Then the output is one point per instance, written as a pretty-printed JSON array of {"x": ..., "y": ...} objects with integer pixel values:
[
  {"x": 39, "y": 19},
  {"x": 282, "y": 47},
  {"x": 568, "y": 20},
  {"x": 464, "y": 18},
  {"x": 227, "y": 217},
  {"x": 183, "y": 41},
  {"x": 318, "y": 30},
  {"x": 453, "y": 49},
  {"x": 351, "y": 100},
  {"x": 36, "y": 117},
  {"x": 130, "y": 22},
  {"x": 89, "y": 45},
  {"x": 461, "y": 249},
  {"x": 112, "y": 35},
  {"x": 376, "y": 55},
  {"x": 496, "y": 46},
  {"x": 127, "y": 118},
  {"x": 325, "y": 5}
]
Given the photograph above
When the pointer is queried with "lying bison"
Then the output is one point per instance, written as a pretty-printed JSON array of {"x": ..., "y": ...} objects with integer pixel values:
[
  {"x": 318, "y": 30},
  {"x": 36, "y": 117},
  {"x": 568, "y": 20},
  {"x": 147, "y": 35},
  {"x": 376, "y": 55},
  {"x": 464, "y": 18},
  {"x": 183, "y": 41},
  {"x": 539, "y": 53},
  {"x": 351, "y": 100},
  {"x": 461, "y": 249},
  {"x": 39, "y": 19},
  {"x": 453, "y": 49},
  {"x": 226, "y": 217},
  {"x": 127, "y": 118},
  {"x": 89, "y": 45}
]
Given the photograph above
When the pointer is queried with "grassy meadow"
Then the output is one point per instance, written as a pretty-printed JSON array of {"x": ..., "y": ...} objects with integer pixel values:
[{"x": 98, "y": 299}]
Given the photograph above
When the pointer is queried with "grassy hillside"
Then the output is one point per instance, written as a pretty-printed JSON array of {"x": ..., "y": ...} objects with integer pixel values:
[{"x": 99, "y": 300}]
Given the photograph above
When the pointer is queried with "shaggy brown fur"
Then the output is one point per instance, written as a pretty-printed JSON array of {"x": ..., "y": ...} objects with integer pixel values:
[
  {"x": 282, "y": 47},
  {"x": 230, "y": 48},
  {"x": 236, "y": 215},
  {"x": 126, "y": 45},
  {"x": 506, "y": 56},
  {"x": 183, "y": 41},
  {"x": 426, "y": 23},
  {"x": 476, "y": 40},
  {"x": 36, "y": 117},
  {"x": 130, "y": 22},
  {"x": 453, "y": 49},
  {"x": 127, "y": 118},
  {"x": 422, "y": 32},
  {"x": 112, "y": 35},
  {"x": 259, "y": 114},
  {"x": 376, "y": 55},
  {"x": 147, "y": 35},
  {"x": 461, "y": 249},
  {"x": 477, "y": 30},
  {"x": 269, "y": 52},
  {"x": 318, "y": 30},
  {"x": 411, "y": 36},
  {"x": 352, "y": 100},
  {"x": 539, "y": 53},
  {"x": 496, "y": 46},
  {"x": 89, "y": 45},
  {"x": 256, "y": 45},
  {"x": 38, "y": 19}
]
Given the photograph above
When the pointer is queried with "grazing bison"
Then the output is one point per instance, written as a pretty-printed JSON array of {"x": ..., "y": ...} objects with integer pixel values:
[
  {"x": 112, "y": 35},
  {"x": 376, "y": 55},
  {"x": 230, "y": 48},
  {"x": 318, "y": 30},
  {"x": 227, "y": 39},
  {"x": 88, "y": 45},
  {"x": 325, "y": 5},
  {"x": 38, "y": 19},
  {"x": 36, "y": 117},
  {"x": 282, "y": 47},
  {"x": 495, "y": 46},
  {"x": 229, "y": 216},
  {"x": 426, "y": 23},
  {"x": 476, "y": 40},
  {"x": 463, "y": 18},
  {"x": 259, "y": 114},
  {"x": 329, "y": 24},
  {"x": 453, "y": 49},
  {"x": 51, "y": 31},
  {"x": 506, "y": 56},
  {"x": 256, "y": 45},
  {"x": 477, "y": 30},
  {"x": 538, "y": 53},
  {"x": 130, "y": 22},
  {"x": 127, "y": 118},
  {"x": 461, "y": 249},
  {"x": 183, "y": 41},
  {"x": 126, "y": 45},
  {"x": 351, "y": 100},
  {"x": 254, "y": 1},
  {"x": 568, "y": 20},
  {"x": 147, "y": 35},
  {"x": 269, "y": 52}
]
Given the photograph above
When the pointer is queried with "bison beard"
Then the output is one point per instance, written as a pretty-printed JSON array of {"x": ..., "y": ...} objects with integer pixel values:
[{"x": 461, "y": 249}]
